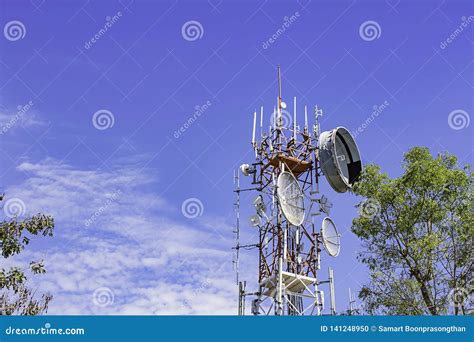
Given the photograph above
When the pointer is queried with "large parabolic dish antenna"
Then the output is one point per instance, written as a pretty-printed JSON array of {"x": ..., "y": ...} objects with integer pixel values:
[
  {"x": 330, "y": 237},
  {"x": 340, "y": 158},
  {"x": 291, "y": 198}
]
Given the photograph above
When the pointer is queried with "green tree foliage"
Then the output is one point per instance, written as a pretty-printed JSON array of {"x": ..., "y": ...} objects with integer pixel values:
[
  {"x": 417, "y": 231},
  {"x": 16, "y": 298}
]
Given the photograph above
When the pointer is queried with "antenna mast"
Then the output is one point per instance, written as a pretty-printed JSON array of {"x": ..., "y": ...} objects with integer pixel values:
[
  {"x": 288, "y": 254},
  {"x": 290, "y": 228},
  {"x": 237, "y": 224}
]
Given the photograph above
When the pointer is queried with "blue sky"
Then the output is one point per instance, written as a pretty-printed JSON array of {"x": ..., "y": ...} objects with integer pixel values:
[{"x": 122, "y": 243}]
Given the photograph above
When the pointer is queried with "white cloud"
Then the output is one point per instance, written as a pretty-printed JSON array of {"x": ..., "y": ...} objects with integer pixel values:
[
  {"x": 23, "y": 116},
  {"x": 151, "y": 263}
]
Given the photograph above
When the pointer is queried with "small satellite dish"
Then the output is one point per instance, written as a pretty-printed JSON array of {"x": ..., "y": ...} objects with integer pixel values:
[
  {"x": 260, "y": 206},
  {"x": 283, "y": 105},
  {"x": 330, "y": 237},
  {"x": 255, "y": 220},
  {"x": 291, "y": 198},
  {"x": 325, "y": 205},
  {"x": 340, "y": 158},
  {"x": 246, "y": 169}
]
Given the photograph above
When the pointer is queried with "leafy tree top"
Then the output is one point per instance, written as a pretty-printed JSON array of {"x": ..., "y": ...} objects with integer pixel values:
[
  {"x": 15, "y": 235},
  {"x": 417, "y": 231}
]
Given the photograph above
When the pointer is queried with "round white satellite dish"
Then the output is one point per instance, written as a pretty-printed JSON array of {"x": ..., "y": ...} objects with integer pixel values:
[
  {"x": 244, "y": 168},
  {"x": 291, "y": 198},
  {"x": 255, "y": 220},
  {"x": 330, "y": 237},
  {"x": 340, "y": 158}
]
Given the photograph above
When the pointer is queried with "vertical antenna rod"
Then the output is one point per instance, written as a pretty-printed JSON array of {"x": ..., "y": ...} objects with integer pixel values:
[
  {"x": 254, "y": 143},
  {"x": 279, "y": 89},
  {"x": 279, "y": 110},
  {"x": 274, "y": 118},
  {"x": 242, "y": 286},
  {"x": 294, "y": 118},
  {"x": 350, "y": 302},
  {"x": 306, "y": 119},
  {"x": 332, "y": 293},
  {"x": 237, "y": 223}
]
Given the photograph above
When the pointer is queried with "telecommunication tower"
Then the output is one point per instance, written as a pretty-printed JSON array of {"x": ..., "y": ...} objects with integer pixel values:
[{"x": 292, "y": 217}]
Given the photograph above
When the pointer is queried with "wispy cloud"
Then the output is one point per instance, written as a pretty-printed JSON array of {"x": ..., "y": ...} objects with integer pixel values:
[
  {"x": 22, "y": 116},
  {"x": 142, "y": 259}
]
